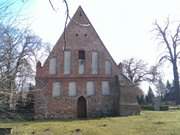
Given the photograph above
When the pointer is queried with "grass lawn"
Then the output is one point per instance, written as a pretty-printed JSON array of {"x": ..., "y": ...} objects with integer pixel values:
[{"x": 148, "y": 123}]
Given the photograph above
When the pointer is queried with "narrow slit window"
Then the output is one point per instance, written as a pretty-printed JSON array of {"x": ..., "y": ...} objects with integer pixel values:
[
  {"x": 67, "y": 62},
  {"x": 105, "y": 88},
  {"x": 82, "y": 54},
  {"x": 72, "y": 89},
  {"x": 108, "y": 68},
  {"x": 94, "y": 65},
  {"x": 90, "y": 88},
  {"x": 52, "y": 66},
  {"x": 56, "y": 89},
  {"x": 81, "y": 61}
]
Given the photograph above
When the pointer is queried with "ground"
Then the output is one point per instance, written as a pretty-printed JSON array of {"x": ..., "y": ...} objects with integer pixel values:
[{"x": 148, "y": 123}]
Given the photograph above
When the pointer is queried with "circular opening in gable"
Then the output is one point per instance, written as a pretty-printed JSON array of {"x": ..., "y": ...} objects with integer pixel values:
[{"x": 77, "y": 34}]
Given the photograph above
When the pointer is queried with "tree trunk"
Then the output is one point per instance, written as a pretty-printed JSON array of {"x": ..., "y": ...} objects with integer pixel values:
[
  {"x": 11, "y": 89},
  {"x": 176, "y": 82}
]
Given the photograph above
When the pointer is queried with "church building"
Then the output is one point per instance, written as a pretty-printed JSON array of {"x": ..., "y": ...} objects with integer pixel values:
[{"x": 80, "y": 79}]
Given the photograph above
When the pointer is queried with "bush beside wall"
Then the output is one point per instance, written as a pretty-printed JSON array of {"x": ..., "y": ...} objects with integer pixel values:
[{"x": 151, "y": 108}]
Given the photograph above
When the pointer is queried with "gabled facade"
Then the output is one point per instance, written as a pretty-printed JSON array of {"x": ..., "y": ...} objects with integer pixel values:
[{"x": 79, "y": 78}]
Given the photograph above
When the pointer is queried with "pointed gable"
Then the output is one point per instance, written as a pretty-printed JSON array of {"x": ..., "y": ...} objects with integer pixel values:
[
  {"x": 81, "y": 68},
  {"x": 81, "y": 35},
  {"x": 80, "y": 18}
]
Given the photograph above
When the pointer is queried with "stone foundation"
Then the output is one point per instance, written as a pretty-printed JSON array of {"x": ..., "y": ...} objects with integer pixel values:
[{"x": 66, "y": 107}]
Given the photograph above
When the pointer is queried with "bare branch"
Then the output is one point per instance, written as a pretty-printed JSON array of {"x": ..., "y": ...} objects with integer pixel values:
[
  {"x": 52, "y": 5},
  {"x": 162, "y": 33},
  {"x": 137, "y": 71},
  {"x": 173, "y": 53},
  {"x": 165, "y": 57},
  {"x": 66, "y": 21}
]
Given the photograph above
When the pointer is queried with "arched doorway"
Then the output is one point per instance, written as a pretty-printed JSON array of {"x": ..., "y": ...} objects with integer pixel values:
[{"x": 81, "y": 107}]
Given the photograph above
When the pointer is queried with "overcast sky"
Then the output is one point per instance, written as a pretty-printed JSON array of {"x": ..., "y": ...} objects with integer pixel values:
[{"x": 125, "y": 26}]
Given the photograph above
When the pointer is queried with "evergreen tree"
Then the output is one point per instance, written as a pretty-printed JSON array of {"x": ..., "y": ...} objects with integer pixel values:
[
  {"x": 170, "y": 95},
  {"x": 141, "y": 100},
  {"x": 150, "y": 96},
  {"x": 168, "y": 85}
]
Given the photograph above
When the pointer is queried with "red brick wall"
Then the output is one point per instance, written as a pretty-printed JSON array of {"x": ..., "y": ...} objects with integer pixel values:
[{"x": 65, "y": 106}]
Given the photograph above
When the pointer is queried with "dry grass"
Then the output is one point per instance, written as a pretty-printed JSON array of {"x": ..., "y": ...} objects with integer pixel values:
[{"x": 148, "y": 123}]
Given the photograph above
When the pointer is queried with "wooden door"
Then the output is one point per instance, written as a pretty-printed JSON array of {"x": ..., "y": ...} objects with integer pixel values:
[{"x": 81, "y": 107}]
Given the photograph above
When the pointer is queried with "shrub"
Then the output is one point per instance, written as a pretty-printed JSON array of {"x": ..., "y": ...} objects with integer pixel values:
[
  {"x": 151, "y": 107},
  {"x": 164, "y": 108},
  {"x": 147, "y": 107}
]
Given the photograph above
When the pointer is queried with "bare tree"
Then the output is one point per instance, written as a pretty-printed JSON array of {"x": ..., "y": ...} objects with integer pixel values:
[
  {"x": 19, "y": 50},
  {"x": 66, "y": 20},
  {"x": 170, "y": 41},
  {"x": 11, "y": 13},
  {"x": 138, "y": 71}
]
